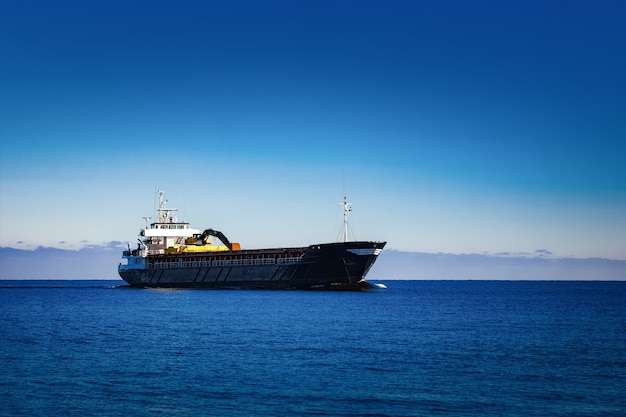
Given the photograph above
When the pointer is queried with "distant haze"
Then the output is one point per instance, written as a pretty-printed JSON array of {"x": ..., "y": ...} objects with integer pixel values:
[{"x": 101, "y": 263}]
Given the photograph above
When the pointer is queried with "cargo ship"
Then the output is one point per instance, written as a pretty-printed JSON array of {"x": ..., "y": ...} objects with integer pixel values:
[{"x": 172, "y": 254}]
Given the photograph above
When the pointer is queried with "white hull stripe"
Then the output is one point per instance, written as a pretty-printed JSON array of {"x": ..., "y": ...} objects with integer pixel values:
[{"x": 366, "y": 251}]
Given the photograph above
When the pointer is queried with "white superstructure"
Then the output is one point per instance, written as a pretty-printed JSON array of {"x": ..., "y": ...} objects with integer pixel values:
[{"x": 167, "y": 231}]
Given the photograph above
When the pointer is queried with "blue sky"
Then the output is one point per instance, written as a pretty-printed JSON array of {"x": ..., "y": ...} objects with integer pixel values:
[{"x": 452, "y": 126}]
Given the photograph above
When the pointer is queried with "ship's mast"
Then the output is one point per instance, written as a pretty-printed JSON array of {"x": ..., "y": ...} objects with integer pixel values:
[
  {"x": 163, "y": 212},
  {"x": 347, "y": 207}
]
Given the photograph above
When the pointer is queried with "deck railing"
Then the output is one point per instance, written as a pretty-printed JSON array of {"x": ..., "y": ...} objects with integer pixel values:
[{"x": 224, "y": 262}]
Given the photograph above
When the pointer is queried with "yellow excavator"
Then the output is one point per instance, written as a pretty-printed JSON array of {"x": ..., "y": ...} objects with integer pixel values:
[{"x": 201, "y": 243}]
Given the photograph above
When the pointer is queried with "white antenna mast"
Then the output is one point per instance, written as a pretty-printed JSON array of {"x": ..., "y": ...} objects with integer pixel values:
[
  {"x": 165, "y": 214},
  {"x": 161, "y": 210},
  {"x": 347, "y": 207}
]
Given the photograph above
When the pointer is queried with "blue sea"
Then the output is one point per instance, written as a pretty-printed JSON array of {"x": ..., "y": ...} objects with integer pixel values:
[{"x": 416, "y": 348}]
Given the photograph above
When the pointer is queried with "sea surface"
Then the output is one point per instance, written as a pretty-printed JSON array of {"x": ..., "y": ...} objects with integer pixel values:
[{"x": 416, "y": 348}]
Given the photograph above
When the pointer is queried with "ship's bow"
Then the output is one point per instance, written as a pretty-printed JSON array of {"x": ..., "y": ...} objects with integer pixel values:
[{"x": 343, "y": 264}]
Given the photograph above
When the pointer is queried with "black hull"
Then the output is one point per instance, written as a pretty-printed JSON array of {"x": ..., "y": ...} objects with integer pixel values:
[{"x": 334, "y": 266}]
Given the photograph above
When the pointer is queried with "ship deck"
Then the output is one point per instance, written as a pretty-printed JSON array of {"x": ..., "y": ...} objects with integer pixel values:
[{"x": 240, "y": 257}]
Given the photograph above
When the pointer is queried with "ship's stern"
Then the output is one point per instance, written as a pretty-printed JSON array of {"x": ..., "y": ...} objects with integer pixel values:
[{"x": 134, "y": 270}]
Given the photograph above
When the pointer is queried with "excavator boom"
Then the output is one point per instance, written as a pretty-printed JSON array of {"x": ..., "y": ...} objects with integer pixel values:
[{"x": 210, "y": 232}]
